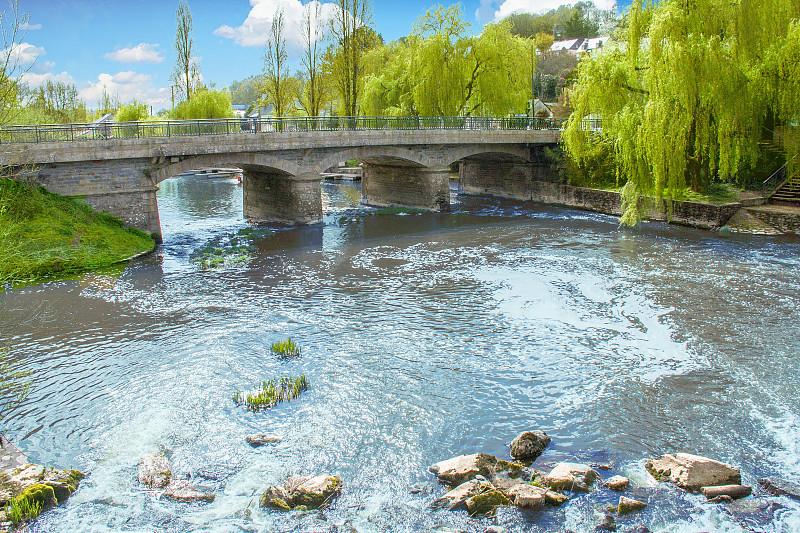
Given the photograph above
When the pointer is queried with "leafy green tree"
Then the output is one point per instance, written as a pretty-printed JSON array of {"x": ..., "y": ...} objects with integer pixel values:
[
  {"x": 58, "y": 102},
  {"x": 133, "y": 111},
  {"x": 12, "y": 23},
  {"x": 246, "y": 92},
  {"x": 352, "y": 38},
  {"x": 205, "y": 103},
  {"x": 722, "y": 80}
]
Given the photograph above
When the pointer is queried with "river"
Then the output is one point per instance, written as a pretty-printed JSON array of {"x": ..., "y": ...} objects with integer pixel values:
[{"x": 423, "y": 336}]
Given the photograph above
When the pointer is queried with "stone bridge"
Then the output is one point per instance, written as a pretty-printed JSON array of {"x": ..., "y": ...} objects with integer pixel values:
[{"x": 282, "y": 169}]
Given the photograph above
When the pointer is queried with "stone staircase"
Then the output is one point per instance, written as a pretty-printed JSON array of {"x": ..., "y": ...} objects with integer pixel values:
[{"x": 788, "y": 193}]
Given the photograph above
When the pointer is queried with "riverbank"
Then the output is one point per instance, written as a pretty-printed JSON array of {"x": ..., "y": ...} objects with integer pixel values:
[
  {"x": 745, "y": 216},
  {"x": 43, "y": 234}
]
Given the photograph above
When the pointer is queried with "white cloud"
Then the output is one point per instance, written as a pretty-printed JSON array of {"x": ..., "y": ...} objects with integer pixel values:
[
  {"x": 509, "y": 7},
  {"x": 23, "y": 54},
  {"x": 25, "y": 26},
  {"x": 127, "y": 85},
  {"x": 141, "y": 53},
  {"x": 253, "y": 31},
  {"x": 34, "y": 79}
]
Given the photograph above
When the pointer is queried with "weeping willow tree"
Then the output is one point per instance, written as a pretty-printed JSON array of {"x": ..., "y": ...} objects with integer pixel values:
[
  {"x": 443, "y": 70},
  {"x": 691, "y": 95}
]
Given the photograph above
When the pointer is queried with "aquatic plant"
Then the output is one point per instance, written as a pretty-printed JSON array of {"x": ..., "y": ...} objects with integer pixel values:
[
  {"x": 230, "y": 250},
  {"x": 358, "y": 214},
  {"x": 24, "y": 509},
  {"x": 271, "y": 393},
  {"x": 285, "y": 348}
]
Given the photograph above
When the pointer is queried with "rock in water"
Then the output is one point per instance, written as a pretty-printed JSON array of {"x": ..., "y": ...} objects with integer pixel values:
[
  {"x": 780, "y": 488},
  {"x": 262, "y": 440},
  {"x": 529, "y": 445},
  {"x": 527, "y": 496},
  {"x": 486, "y": 503},
  {"x": 692, "y": 472},
  {"x": 302, "y": 492},
  {"x": 732, "y": 491},
  {"x": 457, "y": 497},
  {"x": 154, "y": 471},
  {"x": 617, "y": 483},
  {"x": 571, "y": 476},
  {"x": 180, "y": 490},
  {"x": 629, "y": 505},
  {"x": 607, "y": 525},
  {"x": 457, "y": 470}
]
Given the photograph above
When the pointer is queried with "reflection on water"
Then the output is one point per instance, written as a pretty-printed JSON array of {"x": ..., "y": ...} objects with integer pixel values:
[{"x": 424, "y": 336}]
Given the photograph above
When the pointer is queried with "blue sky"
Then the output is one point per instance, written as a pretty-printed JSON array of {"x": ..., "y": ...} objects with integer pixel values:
[{"x": 126, "y": 47}]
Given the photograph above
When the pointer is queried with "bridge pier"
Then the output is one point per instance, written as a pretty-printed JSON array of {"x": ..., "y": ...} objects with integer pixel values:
[
  {"x": 406, "y": 186},
  {"x": 275, "y": 196},
  {"x": 119, "y": 186},
  {"x": 502, "y": 175}
]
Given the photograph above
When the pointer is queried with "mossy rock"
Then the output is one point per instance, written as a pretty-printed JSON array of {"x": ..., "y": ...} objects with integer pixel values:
[
  {"x": 514, "y": 470},
  {"x": 38, "y": 496},
  {"x": 486, "y": 503},
  {"x": 277, "y": 503},
  {"x": 64, "y": 487}
]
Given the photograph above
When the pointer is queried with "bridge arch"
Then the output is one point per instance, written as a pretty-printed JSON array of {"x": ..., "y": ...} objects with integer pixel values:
[
  {"x": 516, "y": 153},
  {"x": 250, "y": 162},
  {"x": 378, "y": 155}
]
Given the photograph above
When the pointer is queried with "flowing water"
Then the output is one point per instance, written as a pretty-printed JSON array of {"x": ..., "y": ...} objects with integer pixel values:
[{"x": 423, "y": 336}]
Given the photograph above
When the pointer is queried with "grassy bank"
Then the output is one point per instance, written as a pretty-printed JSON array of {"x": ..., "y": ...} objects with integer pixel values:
[{"x": 44, "y": 235}]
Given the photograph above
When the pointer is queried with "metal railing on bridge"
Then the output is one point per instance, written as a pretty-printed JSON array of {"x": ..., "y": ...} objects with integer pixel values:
[{"x": 182, "y": 128}]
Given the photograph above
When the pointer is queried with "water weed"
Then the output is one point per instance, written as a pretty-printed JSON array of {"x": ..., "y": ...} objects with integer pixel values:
[
  {"x": 229, "y": 251},
  {"x": 271, "y": 393},
  {"x": 285, "y": 348}
]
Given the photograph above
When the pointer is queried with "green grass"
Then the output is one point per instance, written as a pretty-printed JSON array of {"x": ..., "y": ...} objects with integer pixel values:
[
  {"x": 718, "y": 193},
  {"x": 285, "y": 348},
  {"x": 271, "y": 393},
  {"x": 24, "y": 509},
  {"x": 44, "y": 235}
]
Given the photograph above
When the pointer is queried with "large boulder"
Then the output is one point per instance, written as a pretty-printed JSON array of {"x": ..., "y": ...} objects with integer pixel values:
[
  {"x": 571, "y": 476},
  {"x": 457, "y": 470},
  {"x": 302, "y": 491},
  {"x": 529, "y": 445},
  {"x": 692, "y": 472}
]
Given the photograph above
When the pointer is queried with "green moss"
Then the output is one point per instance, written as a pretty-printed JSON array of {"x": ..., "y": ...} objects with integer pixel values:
[
  {"x": 486, "y": 503},
  {"x": 45, "y": 235},
  {"x": 514, "y": 470},
  {"x": 277, "y": 503}
]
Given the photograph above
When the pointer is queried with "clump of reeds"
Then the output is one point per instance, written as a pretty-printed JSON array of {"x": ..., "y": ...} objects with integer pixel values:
[
  {"x": 271, "y": 393},
  {"x": 285, "y": 348}
]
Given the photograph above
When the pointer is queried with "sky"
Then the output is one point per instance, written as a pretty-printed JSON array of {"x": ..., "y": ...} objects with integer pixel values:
[{"x": 126, "y": 47}]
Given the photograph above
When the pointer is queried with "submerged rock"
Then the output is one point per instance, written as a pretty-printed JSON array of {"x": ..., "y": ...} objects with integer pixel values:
[
  {"x": 457, "y": 470},
  {"x": 262, "y": 440},
  {"x": 552, "y": 497},
  {"x": 154, "y": 471},
  {"x": 608, "y": 524},
  {"x": 529, "y": 445},
  {"x": 629, "y": 505},
  {"x": 692, "y": 472},
  {"x": 302, "y": 492},
  {"x": 571, "y": 476},
  {"x": 780, "y": 488}
]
